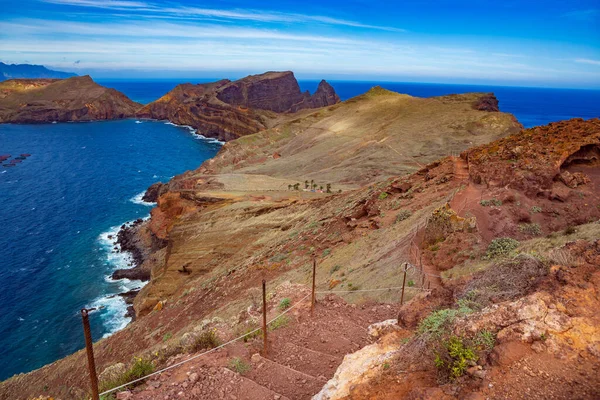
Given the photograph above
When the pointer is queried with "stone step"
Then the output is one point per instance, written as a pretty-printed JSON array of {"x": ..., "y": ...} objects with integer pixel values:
[
  {"x": 308, "y": 361},
  {"x": 282, "y": 379}
]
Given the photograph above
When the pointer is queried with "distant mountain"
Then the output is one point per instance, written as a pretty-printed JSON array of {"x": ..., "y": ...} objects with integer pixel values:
[{"x": 14, "y": 71}]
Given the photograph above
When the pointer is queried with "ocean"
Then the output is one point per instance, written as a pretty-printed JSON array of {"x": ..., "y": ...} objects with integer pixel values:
[
  {"x": 57, "y": 209},
  {"x": 84, "y": 180}
]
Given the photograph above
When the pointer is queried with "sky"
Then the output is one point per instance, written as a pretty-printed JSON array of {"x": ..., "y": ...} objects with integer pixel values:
[{"x": 524, "y": 43}]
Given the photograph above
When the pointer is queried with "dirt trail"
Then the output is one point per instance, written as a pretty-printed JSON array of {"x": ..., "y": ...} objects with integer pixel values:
[
  {"x": 467, "y": 200},
  {"x": 302, "y": 356}
]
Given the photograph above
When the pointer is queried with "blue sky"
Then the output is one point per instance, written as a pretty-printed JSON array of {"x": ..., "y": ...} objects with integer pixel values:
[{"x": 535, "y": 43}]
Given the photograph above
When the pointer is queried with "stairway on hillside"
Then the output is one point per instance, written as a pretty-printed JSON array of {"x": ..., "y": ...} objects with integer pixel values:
[{"x": 302, "y": 357}]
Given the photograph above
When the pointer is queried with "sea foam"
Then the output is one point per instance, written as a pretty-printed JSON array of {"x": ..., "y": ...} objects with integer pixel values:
[{"x": 137, "y": 199}]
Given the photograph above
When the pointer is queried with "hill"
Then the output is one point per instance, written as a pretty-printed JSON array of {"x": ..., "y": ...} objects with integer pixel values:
[
  {"x": 227, "y": 110},
  {"x": 29, "y": 71},
  {"x": 74, "y": 99}
]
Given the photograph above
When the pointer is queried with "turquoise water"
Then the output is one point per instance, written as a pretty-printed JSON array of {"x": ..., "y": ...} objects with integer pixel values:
[{"x": 57, "y": 207}]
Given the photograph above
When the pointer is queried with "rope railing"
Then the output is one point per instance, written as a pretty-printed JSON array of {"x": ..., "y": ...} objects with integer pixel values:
[{"x": 205, "y": 353}]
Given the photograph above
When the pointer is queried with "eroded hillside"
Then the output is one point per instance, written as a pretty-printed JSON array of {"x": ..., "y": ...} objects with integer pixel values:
[{"x": 236, "y": 221}]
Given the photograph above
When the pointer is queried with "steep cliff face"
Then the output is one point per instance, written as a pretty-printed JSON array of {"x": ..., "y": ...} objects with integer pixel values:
[
  {"x": 227, "y": 110},
  {"x": 73, "y": 99}
]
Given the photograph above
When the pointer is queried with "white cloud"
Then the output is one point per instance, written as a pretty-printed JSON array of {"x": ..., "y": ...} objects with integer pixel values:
[
  {"x": 587, "y": 61},
  {"x": 235, "y": 14}
]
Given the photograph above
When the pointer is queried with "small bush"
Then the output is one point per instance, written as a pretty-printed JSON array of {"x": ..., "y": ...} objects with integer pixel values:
[
  {"x": 167, "y": 336},
  {"x": 411, "y": 283},
  {"x": 208, "y": 339},
  {"x": 532, "y": 229},
  {"x": 353, "y": 287},
  {"x": 501, "y": 247},
  {"x": 536, "y": 209},
  {"x": 326, "y": 252},
  {"x": 284, "y": 304},
  {"x": 335, "y": 268},
  {"x": 436, "y": 323},
  {"x": 454, "y": 357},
  {"x": 486, "y": 340},
  {"x": 383, "y": 195},
  {"x": 402, "y": 215},
  {"x": 238, "y": 365},
  {"x": 491, "y": 202},
  {"x": 570, "y": 230},
  {"x": 139, "y": 368}
]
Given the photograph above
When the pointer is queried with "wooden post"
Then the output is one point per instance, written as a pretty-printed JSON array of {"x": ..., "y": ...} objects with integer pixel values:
[
  {"x": 87, "y": 333},
  {"x": 264, "y": 324},
  {"x": 403, "y": 283},
  {"x": 314, "y": 279}
]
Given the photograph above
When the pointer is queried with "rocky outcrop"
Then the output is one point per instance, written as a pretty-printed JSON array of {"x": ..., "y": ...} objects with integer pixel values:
[
  {"x": 73, "y": 99},
  {"x": 531, "y": 161},
  {"x": 154, "y": 191},
  {"x": 487, "y": 102},
  {"x": 227, "y": 110}
]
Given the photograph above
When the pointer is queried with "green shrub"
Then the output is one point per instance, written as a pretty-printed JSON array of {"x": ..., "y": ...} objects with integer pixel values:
[
  {"x": 208, "y": 339},
  {"x": 536, "y": 209},
  {"x": 326, "y": 252},
  {"x": 167, "y": 336},
  {"x": 411, "y": 283},
  {"x": 238, "y": 365},
  {"x": 139, "y": 368},
  {"x": 532, "y": 229},
  {"x": 501, "y": 247},
  {"x": 335, "y": 268},
  {"x": 383, "y": 195},
  {"x": 353, "y": 287},
  {"x": 436, "y": 323},
  {"x": 491, "y": 202},
  {"x": 485, "y": 339},
  {"x": 454, "y": 357},
  {"x": 284, "y": 304},
  {"x": 402, "y": 215}
]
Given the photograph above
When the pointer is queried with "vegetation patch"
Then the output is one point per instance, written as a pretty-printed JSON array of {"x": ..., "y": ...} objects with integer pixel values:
[
  {"x": 139, "y": 368},
  {"x": 491, "y": 202},
  {"x": 208, "y": 339},
  {"x": 238, "y": 365},
  {"x": 454, "y": 357},
  {"x": 280, "y": 322},
  {"x": 536, "y": 209},
  {"x": 501, "y": 247},
  {"x": 532, "y": 229},
  {"x": 285, "y": 303},
  {"x": 402, "y": 215}
]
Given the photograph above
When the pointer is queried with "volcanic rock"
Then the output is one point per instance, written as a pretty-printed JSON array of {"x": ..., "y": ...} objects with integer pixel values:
[
  {"x": 74, "y": 99},
  {"x": 227, "y": 110}
]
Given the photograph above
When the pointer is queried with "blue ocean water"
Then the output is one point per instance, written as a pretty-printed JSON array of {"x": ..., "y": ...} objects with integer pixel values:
[
  {"x": 83, "y": 181},
  {"x": 531, "y": 106},
  {"x": 57, "y": 208}
]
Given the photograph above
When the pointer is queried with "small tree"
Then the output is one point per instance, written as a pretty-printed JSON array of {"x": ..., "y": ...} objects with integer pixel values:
[
  {"x": 289, "y": 187},
  {"x": 329, "y": 188},
  {"x": 305, "y": 184},
  {"x": 297, "y": 186},
  {"x": 312, "y": 184},
  {"x": 321, "y": 187}
]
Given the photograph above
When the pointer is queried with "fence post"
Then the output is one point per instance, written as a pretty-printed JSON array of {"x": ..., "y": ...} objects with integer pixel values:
[
  {"x": 403, "y": 283},
  {"x": 87, "y": 333},
  {"x": 264, "y": 324},
  {"x": 314, "y": 278}
]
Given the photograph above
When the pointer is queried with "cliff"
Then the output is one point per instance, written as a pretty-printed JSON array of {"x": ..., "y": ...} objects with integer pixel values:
[
  {"x": 73, "y": 99},
  {"x": 227, "y": 110}
]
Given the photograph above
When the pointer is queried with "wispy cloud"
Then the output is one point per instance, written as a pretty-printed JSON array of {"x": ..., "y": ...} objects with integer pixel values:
[
  {"x": 224, "y": 14},
  {"x": 587, "y": 61}
]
